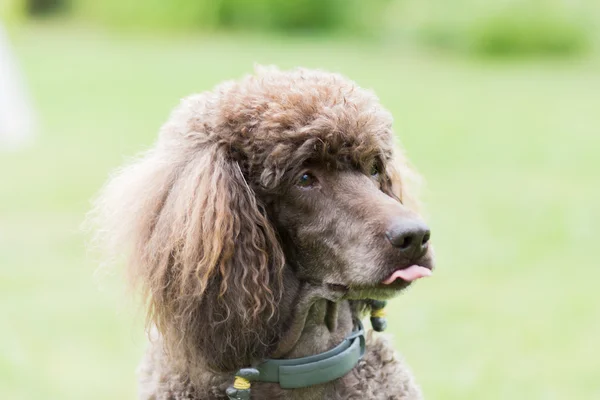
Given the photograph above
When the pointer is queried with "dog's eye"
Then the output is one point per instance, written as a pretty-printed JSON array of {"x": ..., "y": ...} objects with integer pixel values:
[
  {"x": 374, "y": 171},
  {"x": 306, "y": 180}
]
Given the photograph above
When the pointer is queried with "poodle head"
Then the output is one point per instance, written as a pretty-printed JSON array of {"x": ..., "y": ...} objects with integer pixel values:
[{"x": 281, "y": 174}]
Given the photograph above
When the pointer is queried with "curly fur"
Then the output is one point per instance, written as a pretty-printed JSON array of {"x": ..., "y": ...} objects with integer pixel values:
[{"x": 217, "y": 245}]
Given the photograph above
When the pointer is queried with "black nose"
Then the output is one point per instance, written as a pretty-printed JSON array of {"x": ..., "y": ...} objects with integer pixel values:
[{"x": 409, "y": 236}]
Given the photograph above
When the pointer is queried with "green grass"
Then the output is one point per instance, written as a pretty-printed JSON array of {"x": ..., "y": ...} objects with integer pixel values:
[{"x": 509, "y": 151}]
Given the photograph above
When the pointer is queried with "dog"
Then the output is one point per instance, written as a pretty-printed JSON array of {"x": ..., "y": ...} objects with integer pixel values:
[{"x": 263, "y": 223}]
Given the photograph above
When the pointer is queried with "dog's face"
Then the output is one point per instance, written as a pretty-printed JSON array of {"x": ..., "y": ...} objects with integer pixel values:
[{"x": 343, "y": 227}]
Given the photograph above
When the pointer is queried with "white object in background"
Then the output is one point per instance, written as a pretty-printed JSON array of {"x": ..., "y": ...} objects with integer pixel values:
[{"x": 17, "y": 121}]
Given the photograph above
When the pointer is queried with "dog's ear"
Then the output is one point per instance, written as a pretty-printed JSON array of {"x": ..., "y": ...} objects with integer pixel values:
[
  {"x": 402, "y": 181},
  {"x": 204, "y": 254}
]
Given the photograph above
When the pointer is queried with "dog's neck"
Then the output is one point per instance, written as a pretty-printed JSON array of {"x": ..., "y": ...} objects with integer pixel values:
[{"x": 321, "y": 327}]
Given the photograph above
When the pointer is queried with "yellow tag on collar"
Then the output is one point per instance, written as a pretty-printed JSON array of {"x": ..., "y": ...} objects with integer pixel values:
[{"x": 241, "y": 383}]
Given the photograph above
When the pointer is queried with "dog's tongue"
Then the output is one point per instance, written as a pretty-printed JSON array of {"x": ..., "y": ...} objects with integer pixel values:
[{"x": 409, "y": 274}]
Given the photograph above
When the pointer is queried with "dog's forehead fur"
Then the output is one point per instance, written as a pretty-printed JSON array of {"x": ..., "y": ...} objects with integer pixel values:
[{"x": 274, "y": 119}]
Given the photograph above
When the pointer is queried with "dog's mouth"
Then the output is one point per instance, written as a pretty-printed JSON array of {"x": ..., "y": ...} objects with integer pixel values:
[{"x": 395, "y": 282}]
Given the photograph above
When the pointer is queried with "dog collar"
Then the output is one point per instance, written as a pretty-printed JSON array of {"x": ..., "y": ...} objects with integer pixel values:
[
  {"x": 312, "y": 370},
  {"x": 302, "y": 372},
  {"x": 319, "y": 368}
]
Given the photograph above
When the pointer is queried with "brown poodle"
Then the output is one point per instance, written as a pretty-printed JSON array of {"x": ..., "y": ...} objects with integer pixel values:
[{"x": 262, "y": 223}]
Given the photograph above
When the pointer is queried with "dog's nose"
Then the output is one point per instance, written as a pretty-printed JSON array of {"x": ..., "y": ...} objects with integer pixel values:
[{"x": 409, "y": 236}]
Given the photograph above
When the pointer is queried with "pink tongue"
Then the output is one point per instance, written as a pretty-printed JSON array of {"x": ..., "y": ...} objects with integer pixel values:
[{"x": 409, "y": 274}]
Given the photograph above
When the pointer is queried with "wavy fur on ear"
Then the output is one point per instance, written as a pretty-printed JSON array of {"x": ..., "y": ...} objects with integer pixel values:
[{"x": 201, "y": 250}]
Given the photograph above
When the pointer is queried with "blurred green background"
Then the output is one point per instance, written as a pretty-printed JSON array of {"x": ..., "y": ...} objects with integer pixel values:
[{"x": 498, "y": 105}]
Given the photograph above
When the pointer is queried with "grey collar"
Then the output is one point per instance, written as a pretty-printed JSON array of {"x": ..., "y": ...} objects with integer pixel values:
[
  {"x": 304, "y": 371},
  {"x": 319, "y": 368}
]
